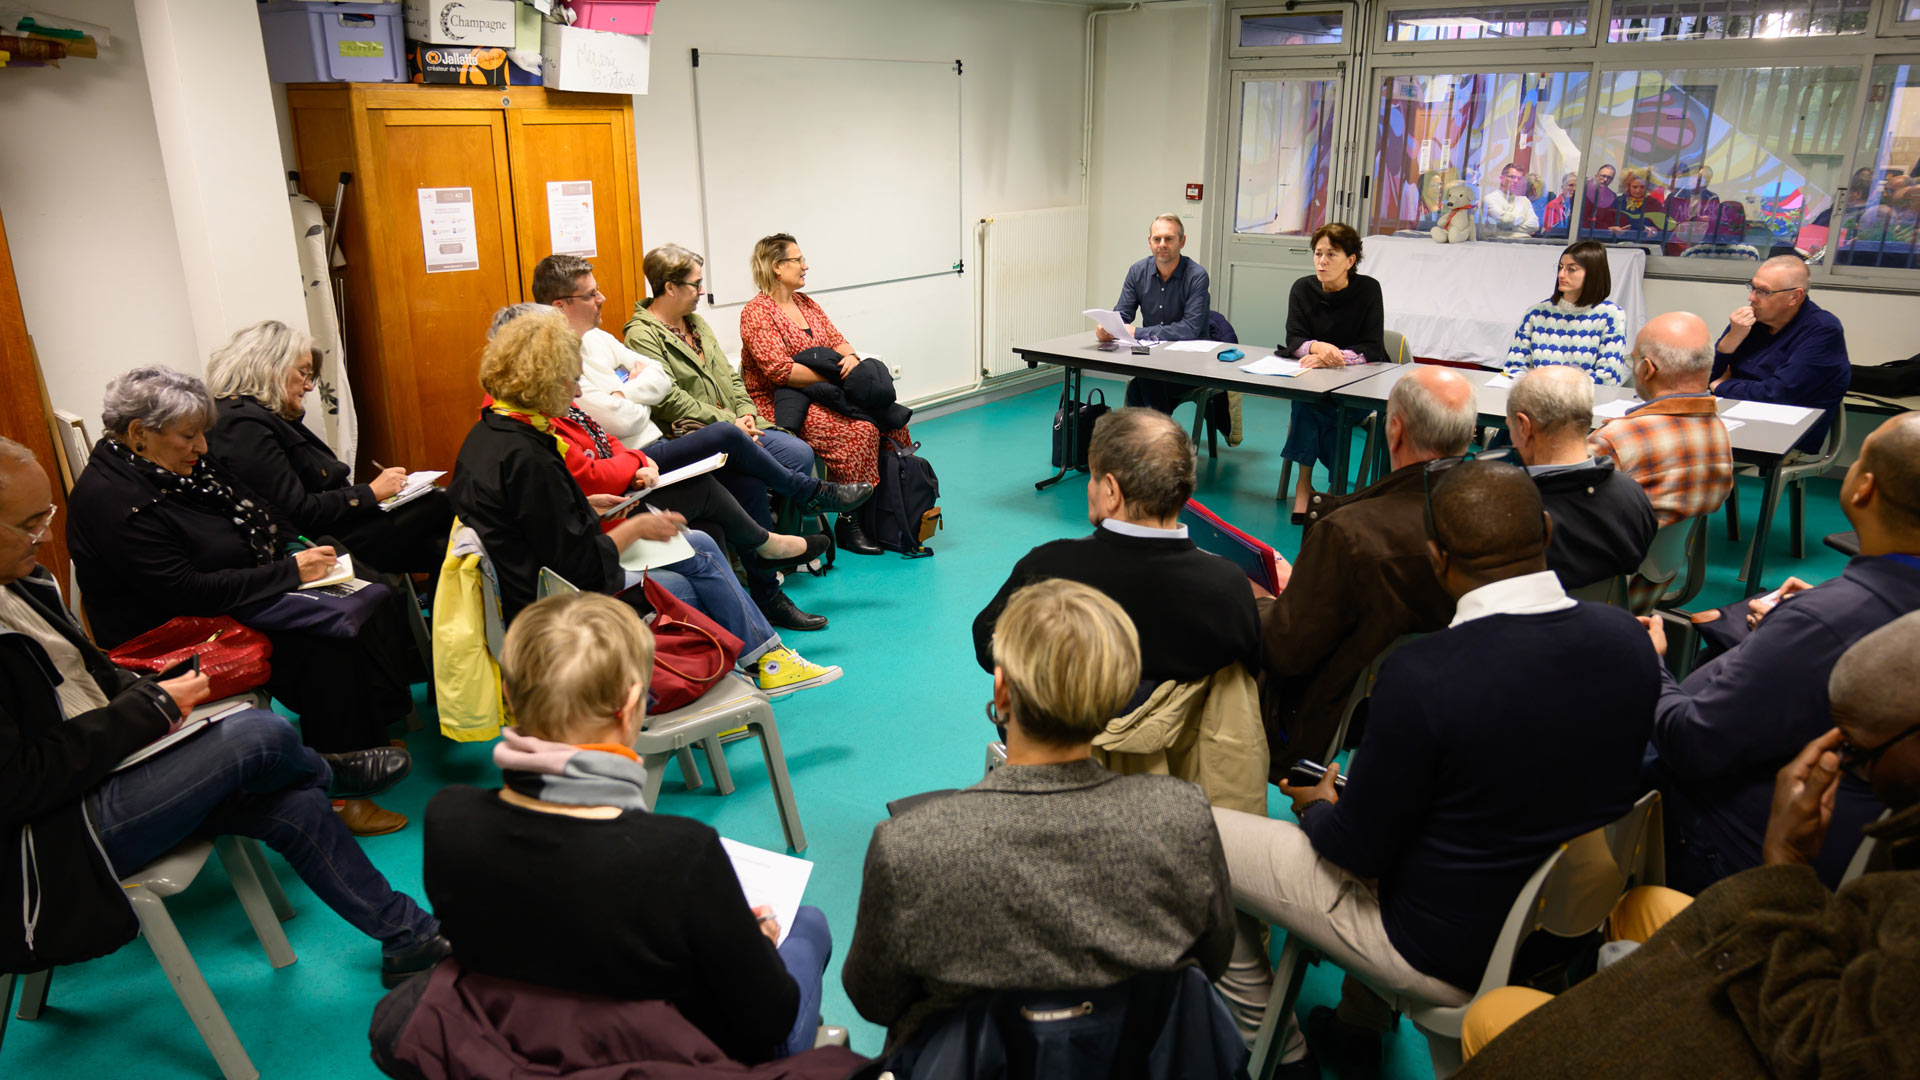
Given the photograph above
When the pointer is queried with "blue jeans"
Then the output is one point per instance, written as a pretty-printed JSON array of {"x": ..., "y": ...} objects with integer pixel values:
[
  {"x": 707, "y": 583},
  {"x": 805, "y": 953},
  {"x": 248, "y": 775}
]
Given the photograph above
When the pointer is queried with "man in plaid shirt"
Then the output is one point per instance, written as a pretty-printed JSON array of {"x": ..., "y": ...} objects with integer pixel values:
[{"x": 1674, "y": 444}]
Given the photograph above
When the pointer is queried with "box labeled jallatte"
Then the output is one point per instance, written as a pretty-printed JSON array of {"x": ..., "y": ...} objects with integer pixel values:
[
  {"x": 460, "y": 65},
  {"x": 462, "y": 22},
  {"x": 593, "y": 61}
]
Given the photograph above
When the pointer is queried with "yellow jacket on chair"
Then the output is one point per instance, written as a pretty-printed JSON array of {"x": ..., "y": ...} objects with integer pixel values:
[{"x": 466, "y": 678}]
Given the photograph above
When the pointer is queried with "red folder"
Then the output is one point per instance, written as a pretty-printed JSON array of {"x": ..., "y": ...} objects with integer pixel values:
[{"x": 1210, "y": 533}]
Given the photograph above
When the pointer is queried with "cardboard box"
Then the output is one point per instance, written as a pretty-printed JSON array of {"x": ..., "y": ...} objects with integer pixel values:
[
  {"x": 463, "y": 66},
  {"x": 593, "y": 61},
  {"x": 462, "y": 22}
]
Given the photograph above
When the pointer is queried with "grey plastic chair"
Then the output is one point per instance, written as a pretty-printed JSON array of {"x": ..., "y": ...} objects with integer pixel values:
[
  {"x": 1570, "y": 895},
  {"x": 1362, "y": 690},
  {"x": 1611, "y": 591},
  {"x": 1677, "y": 562},
  {"x": 260, "y": 897},
  {"x": 1791, "y": 480},
  {"x": 731, "y": 703}
]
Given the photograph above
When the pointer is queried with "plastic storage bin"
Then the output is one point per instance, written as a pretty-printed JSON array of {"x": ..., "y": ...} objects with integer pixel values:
[
  {"x": 615, "y": 16},
  {"x": 309, "y": 41}
]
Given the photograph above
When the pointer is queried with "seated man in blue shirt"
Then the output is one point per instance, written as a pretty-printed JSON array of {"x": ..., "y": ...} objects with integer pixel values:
[
  {"x": 1719, "y": 737},
  {"x": 1488, "y": 745},
  {"x": 1170, "y": 293},
  {"x": 1784, "y": 348}
]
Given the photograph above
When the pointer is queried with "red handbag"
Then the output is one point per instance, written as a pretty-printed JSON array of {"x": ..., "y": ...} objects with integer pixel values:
[
  {"x": 232, "y": 657},
  {"x": 691, "y": 652}
]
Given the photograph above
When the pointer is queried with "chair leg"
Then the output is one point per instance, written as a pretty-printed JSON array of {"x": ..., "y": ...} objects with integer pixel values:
[
  {"x": 689, "y": 770},
  {"x": 1797, "y": 517},
  {"x": 1368, "y": 469},
  {"x": 1733, "y": 511},
  {"x": 269, "y": 881},
  {"x": 656, "y": 766},
  {"x": 717, "y": 764},
  {"x": 170, "y": 949},
  {"x": 33, "y": 993},
  {"x": 776, "y": 759},
  {"x": 1286, "y": 480},
  {"x": 6, "y": 1003},
  {"x": 1281, "y": 999},
  {"x": 254, "y": 900}
]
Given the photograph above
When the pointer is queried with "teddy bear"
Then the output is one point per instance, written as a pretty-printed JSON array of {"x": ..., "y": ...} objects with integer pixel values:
[{"x": 1456, "y": 215}]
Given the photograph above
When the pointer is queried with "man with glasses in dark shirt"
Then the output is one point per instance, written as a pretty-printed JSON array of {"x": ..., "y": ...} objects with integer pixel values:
[{"x": 1783, "y": 348}]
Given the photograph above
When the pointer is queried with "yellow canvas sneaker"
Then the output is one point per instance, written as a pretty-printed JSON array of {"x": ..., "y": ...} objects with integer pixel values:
[{"x": 782, "y": 671}]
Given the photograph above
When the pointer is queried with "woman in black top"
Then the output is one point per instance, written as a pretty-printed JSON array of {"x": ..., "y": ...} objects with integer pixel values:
[
  {"x": 562, "y": 878},
  {"x": 159, "y": 529},
  {"x": 261, "y": 378},
  {"x": 1334, "y": 318}
]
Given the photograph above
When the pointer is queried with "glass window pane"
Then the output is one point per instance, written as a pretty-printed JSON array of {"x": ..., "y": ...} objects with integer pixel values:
[
  {"x": 1513, "y": 138},
  {"x": 1722, "y": 163},
  {"x": 1286, "y": 155},
  {"x": 1293, "y": 28},
  {"x": 1716, "y": 20},
  {"x": 1488, "y": 23},
  {"x": 1880, "y": 210},
  {"x": 1910, "y": 13}
]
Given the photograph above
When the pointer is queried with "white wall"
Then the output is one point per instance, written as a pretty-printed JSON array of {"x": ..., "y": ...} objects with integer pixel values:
[
  {"x": 1021, "y": 110},
  {"x": 89, "y": 221},
  {"x": 1151, "y": 95}
]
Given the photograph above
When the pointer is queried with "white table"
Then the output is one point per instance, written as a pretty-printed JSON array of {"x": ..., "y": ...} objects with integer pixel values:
[{"x": 1462, "y": 302}]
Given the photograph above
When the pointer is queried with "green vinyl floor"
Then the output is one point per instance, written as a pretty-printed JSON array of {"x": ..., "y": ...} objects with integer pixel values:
[{"x": 907, "y": 717}]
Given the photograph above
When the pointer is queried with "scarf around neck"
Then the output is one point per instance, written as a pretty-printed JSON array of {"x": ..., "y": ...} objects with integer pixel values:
[
  {"x": 204, "y": 490},
  {"x": 602, "y": 446},
  {"x": 538, "y": 421},
  {"x": 571, "y": 775}
]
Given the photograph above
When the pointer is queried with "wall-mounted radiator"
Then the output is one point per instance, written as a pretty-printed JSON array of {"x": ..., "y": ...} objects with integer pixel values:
[{"x": 1034, "y": 283}]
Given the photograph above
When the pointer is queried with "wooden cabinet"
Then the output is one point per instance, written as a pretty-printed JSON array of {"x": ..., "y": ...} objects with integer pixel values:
[{"x": 413, "y": 338}]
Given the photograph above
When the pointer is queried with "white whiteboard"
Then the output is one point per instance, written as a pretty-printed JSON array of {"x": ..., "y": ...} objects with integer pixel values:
[{"x": 858, "y": 159}]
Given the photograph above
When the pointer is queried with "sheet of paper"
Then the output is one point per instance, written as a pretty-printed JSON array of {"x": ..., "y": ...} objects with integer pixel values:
[
  {"x": 447, "y": 231},
  {"x": 1767, "y": 412},
  {"x": 689, "y": 471},
  {"x": 1612, "y": 410},
  {"x": 418, "y": 484},
  {"x": 341, "y": 573},
  {"x": 1273, "y": 365},
  {"x": 771, "y": 879},
  {"x": 1499, "y": 382},
  {"x": 1109, "y": 320},
  {"x": 1193, "y": 346},
  {"x": 570, "y": 217},
  {"x": 1731, "y": 424}
]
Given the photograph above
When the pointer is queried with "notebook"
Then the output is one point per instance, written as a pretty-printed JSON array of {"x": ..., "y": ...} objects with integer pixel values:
[
  {"x": 1209, "y": 533},
  {"x": 196, "y": 722}
]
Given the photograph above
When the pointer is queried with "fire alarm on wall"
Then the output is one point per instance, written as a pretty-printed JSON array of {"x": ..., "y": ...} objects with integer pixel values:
[{"x": 1193, "y": 192}]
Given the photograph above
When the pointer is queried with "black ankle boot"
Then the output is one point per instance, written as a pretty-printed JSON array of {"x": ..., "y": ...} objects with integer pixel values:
[
  {"x": 785, "y": 614},
  {"x": 848, "y": 534},
  {"x": 839, "y": 498}
]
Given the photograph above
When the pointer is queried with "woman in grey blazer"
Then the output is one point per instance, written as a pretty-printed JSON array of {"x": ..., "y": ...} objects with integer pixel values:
[{"x": 1052, "y": 872}]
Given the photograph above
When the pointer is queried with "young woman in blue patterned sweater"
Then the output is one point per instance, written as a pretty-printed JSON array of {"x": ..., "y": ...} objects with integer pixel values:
[{"x": 1577, "y": 326}]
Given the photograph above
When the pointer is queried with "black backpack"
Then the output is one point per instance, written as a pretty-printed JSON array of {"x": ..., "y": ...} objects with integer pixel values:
[{"x": 903, "y": 512}]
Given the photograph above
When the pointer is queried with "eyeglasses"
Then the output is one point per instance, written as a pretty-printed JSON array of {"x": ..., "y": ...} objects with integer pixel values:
[
  {"x": 696, "y": 286},
  {"x": 795, "y": 258},
  {"x": 1430, "y": 476},
  {"x": 594, "y": 295},
  {"x": 306, "y": 374},
  {"x": 35, "y": 536},
  {"x": 1856, "y": 760},
  {"x": 1761, "y": 293}
]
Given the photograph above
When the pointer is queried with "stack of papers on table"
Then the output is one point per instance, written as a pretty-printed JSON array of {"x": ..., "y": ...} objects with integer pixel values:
[
  {"x": 1499, "y": 382},
  {"x": 1193, "y": 346},
  {"x": 1617, "y": 408},
  {"x": 1767, "y": 412},
  {"x": 770, "y": 879},
  {"x": 1273, "y": 365}
]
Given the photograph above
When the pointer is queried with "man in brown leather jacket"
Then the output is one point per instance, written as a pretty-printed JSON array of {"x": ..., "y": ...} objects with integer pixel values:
[{"x": 1362, "y": 578}]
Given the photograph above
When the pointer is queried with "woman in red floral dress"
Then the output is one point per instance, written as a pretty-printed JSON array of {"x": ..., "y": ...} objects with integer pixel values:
[{"x": 775, "y": 326}]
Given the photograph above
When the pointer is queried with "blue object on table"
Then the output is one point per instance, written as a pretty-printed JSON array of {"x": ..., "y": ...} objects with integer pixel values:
[{"x": 1231, "y": 355}]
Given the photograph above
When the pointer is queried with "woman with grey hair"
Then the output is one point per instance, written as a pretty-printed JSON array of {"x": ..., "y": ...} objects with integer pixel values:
[
  {"x": 260, "y": 379},
  {"x": 158, "y": 528}
]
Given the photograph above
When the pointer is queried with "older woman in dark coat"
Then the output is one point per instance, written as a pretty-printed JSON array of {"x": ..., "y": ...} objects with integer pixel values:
[
  {"x": 261, "y": 378},
  {"x": 159, "y": 529}
]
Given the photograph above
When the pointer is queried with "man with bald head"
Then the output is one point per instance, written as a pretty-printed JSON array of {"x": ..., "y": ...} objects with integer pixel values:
[
  {"x": 1823, "y": 984},
  {"x": 1784, "y": 348},
  {"x": 1362, "y": 578},
  {"x": 1673, "y": 443},
  {"x": 1602, "y": 520},
  {"x": 1719, "y": 736},
  {"x": 1489, "y": 744}
]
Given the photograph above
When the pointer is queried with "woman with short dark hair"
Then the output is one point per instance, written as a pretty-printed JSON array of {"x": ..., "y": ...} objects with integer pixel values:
[
  {"x": 1576, "y": 326},
  {"x": 1335, "y": 317}
]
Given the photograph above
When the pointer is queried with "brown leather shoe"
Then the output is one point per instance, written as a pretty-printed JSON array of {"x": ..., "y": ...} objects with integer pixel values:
[{"x": 363, "y": 817}]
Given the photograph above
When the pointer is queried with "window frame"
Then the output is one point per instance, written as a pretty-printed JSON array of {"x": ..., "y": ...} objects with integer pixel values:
[
  {"x": 1382, "y": 46},
  {"x": 1878, "y": 276},
  {"x": 1351, "y": 27},
  {"x": 1337, "y": 170},
  {"x": 1890, "y": 25}
]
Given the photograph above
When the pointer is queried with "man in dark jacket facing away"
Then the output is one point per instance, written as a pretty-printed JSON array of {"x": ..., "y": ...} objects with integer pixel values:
[
  {"x": 1603, "y": 522},
  {"x": 74, "y": 825},
  {"x": 1490, "y": 744},
  {"x": 1719, "y": 737},
  {"x": 1767, "y": 973}
]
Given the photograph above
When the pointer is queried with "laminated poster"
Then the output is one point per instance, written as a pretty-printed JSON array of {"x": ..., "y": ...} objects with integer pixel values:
[
  {"x": 570, "y": 217},
  {"x": 446, "y": 229}
]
